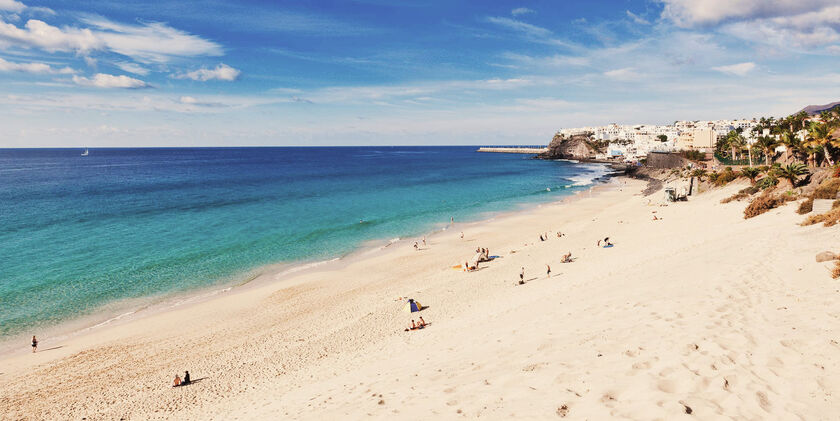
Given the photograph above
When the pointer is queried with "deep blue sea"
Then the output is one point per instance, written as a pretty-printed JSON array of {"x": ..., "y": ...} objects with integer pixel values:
[{"x": 78, "y": 234}]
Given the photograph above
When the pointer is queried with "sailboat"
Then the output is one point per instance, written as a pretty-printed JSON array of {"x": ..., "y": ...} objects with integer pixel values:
[{"x": 85, "y": 153}]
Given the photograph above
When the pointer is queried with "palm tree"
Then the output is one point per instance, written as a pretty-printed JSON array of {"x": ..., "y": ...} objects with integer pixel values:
[
  {"x": 737, "y": 142},
  {"x": 768, "y": 145},
  {"x": 819, "y": 134},
  {"x": 791, "y": 172},
  {"x": 751, "y": 173},
  {"x": 797, "y": 121},
  {"x": 791, "y": 142}
]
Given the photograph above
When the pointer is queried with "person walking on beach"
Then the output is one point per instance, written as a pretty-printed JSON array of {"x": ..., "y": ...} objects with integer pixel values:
[
  {"x": 34, "y": 344},
  {"x": 451, "y": 219},
  {"x": 416, "y": 247},
  {"x": 424, "y": 241},
  {"x": 547, "y": 271},
  {"x": 462, "y": 235},
  {"x": 522, "y": 276}
]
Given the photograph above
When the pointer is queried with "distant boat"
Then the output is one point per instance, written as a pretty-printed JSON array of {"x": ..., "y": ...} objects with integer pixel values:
[{"x": 85, "y": 153}]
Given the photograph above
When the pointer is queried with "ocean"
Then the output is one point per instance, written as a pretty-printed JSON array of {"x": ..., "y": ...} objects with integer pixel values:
[{"x": 81, "y": 236}]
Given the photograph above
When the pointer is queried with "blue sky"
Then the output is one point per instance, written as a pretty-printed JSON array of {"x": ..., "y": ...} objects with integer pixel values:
[{"x": 212, "y": 73}]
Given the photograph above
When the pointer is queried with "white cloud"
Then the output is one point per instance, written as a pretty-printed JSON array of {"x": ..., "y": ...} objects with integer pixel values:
[
  {"x": 686, "y": 13},
  {"x": 532, "y": 32},
  {"x": 807, "y": 30},
  {"x": 102, "y": 80},
  {"x": 36, "y": 33},
  {"x": 220, "y": 72},
  {"x": 521, "y": 11},
  {"x": 739, "y": 69},
  {"x": 33, "y": 67},
  {"x": 12, "y": 6},
  {"x": 547, "y": 61},
  {"x": 636, "y": 18},
  {"x": 622, "y": 74},
  {"x": 132, "y": 68},
  {"x": 147, "y": 42},
  {"x": 151, "y": 42}
]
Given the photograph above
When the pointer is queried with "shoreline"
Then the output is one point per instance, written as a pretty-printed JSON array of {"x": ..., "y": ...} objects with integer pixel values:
[
  {"x": 678, "y": 314},
  {"x": 123, "y": 311}
]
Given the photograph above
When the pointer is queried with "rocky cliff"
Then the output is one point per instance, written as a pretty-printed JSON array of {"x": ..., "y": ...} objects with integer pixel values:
[{"x": 574, "y": 147}]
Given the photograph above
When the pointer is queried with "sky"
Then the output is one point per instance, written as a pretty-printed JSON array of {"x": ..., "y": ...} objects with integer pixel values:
[{"x": 95, "y": 73}]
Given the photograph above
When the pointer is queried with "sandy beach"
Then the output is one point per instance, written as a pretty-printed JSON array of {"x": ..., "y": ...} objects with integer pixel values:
[{"x": 700, "y": 314}]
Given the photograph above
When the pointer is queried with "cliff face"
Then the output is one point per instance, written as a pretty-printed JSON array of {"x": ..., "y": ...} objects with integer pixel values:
[{"x": 574, "y": 147}]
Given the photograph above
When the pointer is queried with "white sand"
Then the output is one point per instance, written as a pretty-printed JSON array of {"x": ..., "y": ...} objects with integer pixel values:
[{"x": 730, "y": 317}]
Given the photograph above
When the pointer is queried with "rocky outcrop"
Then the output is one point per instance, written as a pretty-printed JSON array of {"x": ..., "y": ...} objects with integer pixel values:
[
  {"x": 574, "y": 147},
  {"x": 662, "y": 160}
]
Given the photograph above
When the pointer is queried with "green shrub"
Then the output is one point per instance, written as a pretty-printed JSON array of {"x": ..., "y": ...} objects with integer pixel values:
[
  {"x": 767, "y": 182},
  {"x": 693, "y": 155},
  {"x": 725, "y": 176},
  {"x": 749, "y": 190}
]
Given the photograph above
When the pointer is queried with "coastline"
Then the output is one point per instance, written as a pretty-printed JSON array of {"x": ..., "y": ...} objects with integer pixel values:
[
  {"x": 125, "y": 311},
  {"x": 643, "y": 330}
]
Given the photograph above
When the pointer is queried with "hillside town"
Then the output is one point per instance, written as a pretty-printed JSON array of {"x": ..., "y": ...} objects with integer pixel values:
[{"x": 635, "y": 142}]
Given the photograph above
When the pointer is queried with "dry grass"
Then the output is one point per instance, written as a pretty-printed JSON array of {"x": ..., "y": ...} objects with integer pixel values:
[
  {"x": 828, "y": 219},
  {"x": 764, "y": 203},
  {"x": 827, "y": 189},
  {"x": 805, "y": 207},
  {"x": 742, "y": 194}
]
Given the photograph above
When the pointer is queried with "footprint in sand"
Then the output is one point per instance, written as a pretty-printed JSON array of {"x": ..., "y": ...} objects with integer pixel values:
[
  {"x": 534, "y": 367},
  {"x": 763, "y": 402}
]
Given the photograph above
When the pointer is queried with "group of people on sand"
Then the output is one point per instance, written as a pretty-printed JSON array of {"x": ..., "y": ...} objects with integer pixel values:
[
  {"x": 417, "y": 244},
  {"x": 416, "y": 326},
  {"x": 178, "y": 382}
]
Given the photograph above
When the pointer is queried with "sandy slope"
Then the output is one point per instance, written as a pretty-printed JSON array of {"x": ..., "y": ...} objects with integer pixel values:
[{"x": 702, "y": 310}]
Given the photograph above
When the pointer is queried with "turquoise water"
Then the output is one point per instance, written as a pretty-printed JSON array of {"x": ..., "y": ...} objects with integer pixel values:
[{"x": 78, "y": 233}]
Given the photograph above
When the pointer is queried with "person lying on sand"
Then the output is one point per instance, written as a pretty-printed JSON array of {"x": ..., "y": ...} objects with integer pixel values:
[{"x": 567, "y": 258}]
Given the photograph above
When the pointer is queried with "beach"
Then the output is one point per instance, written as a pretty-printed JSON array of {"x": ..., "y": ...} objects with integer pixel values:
[{"x": 700, "y": 314}]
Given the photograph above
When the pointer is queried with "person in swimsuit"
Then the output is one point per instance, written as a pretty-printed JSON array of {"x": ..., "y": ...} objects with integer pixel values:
[
  {"x": 34, "y": 344},
  {"x": 522, "y": 276},
  {"x": 186, "y": 377},
  {"x": 422, "y": 322},
  {"x": 177, "y": 381},
  {"x": 547, "y": 271}
]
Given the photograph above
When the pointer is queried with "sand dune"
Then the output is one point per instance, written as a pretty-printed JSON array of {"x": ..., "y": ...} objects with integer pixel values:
[{"x": 702, "y": 314}]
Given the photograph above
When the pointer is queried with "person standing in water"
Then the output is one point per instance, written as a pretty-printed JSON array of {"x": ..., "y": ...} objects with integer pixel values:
[{"x": 34, "y": 344}]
